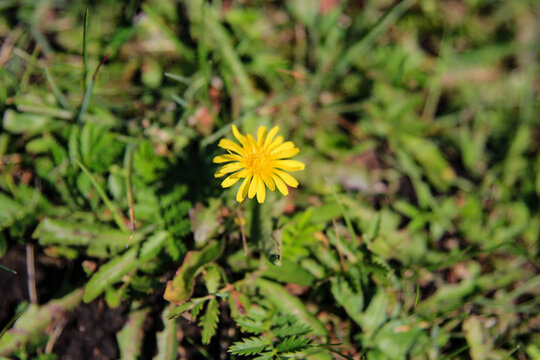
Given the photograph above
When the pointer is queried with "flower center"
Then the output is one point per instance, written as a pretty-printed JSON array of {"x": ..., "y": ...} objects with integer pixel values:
[{"x": 258, "y": 162}]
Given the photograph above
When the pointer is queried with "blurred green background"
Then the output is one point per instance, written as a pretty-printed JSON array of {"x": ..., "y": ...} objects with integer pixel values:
[{"x": 414, "y": 231}]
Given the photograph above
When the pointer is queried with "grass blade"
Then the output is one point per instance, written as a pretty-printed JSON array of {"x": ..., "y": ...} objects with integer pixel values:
[
  {"x": 57, "y": 93},
  {"x": 118, "y": 218},
  {"x": 358, "y": 50},
  {"x": 88, "y": 92},
  {"x": 85, "y": 53}
]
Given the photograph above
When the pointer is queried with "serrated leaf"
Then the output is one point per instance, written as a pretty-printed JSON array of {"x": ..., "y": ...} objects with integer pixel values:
[
  {"x": 374, "y": 228},
  {"x": 293, "y": 344},
  {"x": 265, "y": 356},
  {"x": 291, "y": 329},
  {"x": 209, "y": 321},
  {"x": 178, "y": 310},
  {"x": 180, "y": 288},
  {"x": 352, "y": 302},
  {"x": 250, "y": 346},
  {"x": 197, "y": 307},
  {"x": 250, "y": 325},
  {"x": 151, "y": 247},
  {"x": 375, "y": 313},
  {"x": 289, "y": 304}
]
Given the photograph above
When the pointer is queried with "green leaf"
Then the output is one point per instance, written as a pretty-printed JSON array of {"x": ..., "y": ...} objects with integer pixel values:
[
  {"x": 20, "y": 123},
  {"x": 32, "y": 323},
  {"x": 11, "y": 211},
  {"x": 265, "y": 356},
  {"x": 212, "y": 277},
  {"x": 250, "y": 346},
  {"x": 352, "y": 302},
  {"x": 289, "y": 304},
  {"x": 254, "y": 326},
  {"x": 177, "y": 310},
  {"x": 209, "y": 321},
  {"x": 152, "y": 246},
  {"x": 289, "y": 272},
  {"x": 204, "y": 222},
  {"x": 110, "y": 273},
  {"x": 395, "y": 338},
  {"x": 61, "y": 232},
  {"x": 436, "y": 167},
  {"x": 295, "y": 327},
  {"x": 375, "y": 313},
  {"x": 180, "y": 288},
  {"x": 448, "y": 297},
  {"x": 115, "y": 269},
  {"x": 475, "y": 338},
  {"x": 375, "y": 227},
  {"x": 130, "y": 337},
  {"x": 167, "y": 341},
  {"x": 293, "y": 344},
  {"x": 197, "y": 307},
  {"x": 99, "y": 147},
  {"x": 111, "y": 206},
  {"x": 149, "y": 165}
]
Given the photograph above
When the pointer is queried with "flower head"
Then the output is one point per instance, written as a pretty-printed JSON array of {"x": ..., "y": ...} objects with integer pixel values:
[{"x": 260, "y": 163}]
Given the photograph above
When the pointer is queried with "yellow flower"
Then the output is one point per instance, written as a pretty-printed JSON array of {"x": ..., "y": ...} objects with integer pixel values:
[{"x": 259, "y": 162}]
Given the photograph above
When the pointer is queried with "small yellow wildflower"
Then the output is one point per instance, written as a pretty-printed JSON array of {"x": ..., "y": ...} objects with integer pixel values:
[{"x": 259, "y": 162}]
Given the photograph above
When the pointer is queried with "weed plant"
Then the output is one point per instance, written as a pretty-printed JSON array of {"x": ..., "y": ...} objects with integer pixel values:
[{"x": 412, "y": 232}]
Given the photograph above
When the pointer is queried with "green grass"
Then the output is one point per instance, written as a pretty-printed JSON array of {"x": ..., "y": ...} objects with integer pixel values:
[{"x": 413, "y": 234}]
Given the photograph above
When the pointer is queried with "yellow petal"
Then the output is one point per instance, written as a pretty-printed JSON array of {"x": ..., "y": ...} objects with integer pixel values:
[
  {"x": 269, "y": 182},
  {"x": 230, "y": 145},
  {"x": 261, "y": 191},
  {"x": 239, "y": 136},
  {"x": 253, "y": 186},
  {"x": 285, "y": 153},
  {"x": 289, "y": 180},
  {"x": 271, "y": 135},
  {"x": 242, "y": 192},
  {"x": 289, "y": 165},
  {"x": 274, "y": 144},
  {"x": 243, "y": 173},
  {"x": 285, "y": 146},
  {"x": 228, "y": 168},
  {"x": 252, "y": 144},
  {"x": 230, "y": 180},
  {"x": 280, "y": 185},
  {"x": 225, "y": 158},
  {"x": 260, "y": 135}
]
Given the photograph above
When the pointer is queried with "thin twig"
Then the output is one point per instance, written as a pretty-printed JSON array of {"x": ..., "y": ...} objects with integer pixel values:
[
  {"x": 30, "y": 270},
  {"x": 55, "y": 335}
]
